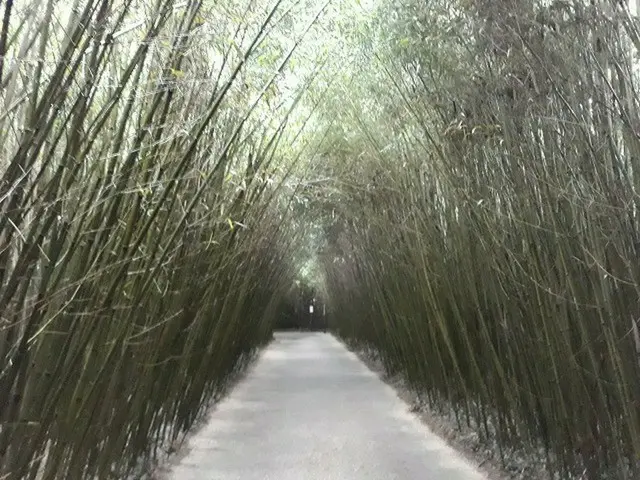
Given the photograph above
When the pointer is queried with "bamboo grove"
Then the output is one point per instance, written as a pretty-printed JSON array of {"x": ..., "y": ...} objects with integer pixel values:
[
  {"x": 456, "y": 178},
  {"x": 485, "y": 237},
  {"x": 144, "y": 242}
]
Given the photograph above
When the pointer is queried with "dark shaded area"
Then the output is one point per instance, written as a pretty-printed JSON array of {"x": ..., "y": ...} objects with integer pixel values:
[{"x": 295, "y": 311}]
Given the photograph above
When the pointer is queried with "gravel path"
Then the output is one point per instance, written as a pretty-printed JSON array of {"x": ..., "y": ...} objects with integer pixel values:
[{"x": 311, "y": 410}]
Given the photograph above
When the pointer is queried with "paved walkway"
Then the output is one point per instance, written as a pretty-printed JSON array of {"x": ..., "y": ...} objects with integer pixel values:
[{"x": 310, "y": 410}]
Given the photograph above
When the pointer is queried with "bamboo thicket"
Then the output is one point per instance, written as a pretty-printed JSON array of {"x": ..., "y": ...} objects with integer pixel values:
[
  {"x": 144, "y": 240},
  {"x": 485, "y": 239}
]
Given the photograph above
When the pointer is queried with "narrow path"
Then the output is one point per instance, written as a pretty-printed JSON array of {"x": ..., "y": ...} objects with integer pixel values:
[{"x": 311, "y": 410}]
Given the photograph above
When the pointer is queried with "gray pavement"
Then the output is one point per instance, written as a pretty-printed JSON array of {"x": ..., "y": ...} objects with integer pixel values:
[{"x": 311, "y": 410}]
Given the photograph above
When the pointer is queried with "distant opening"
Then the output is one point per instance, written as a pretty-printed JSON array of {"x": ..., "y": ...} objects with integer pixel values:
[{"x": 303, "y": 309}]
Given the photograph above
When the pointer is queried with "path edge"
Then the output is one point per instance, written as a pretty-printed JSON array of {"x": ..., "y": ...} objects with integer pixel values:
[
  {"x": 180, "y": 448},
  {"x": 436, "y": 424}
]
